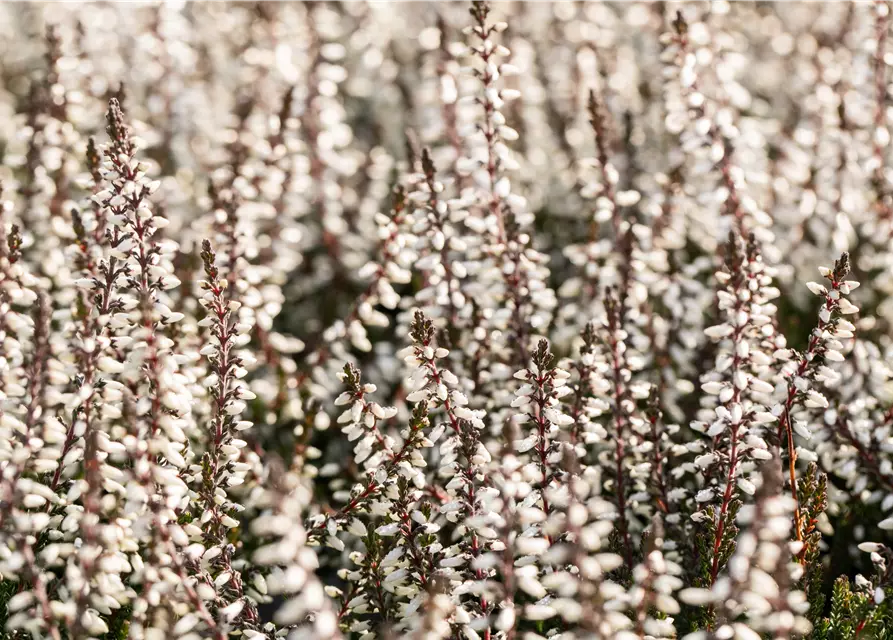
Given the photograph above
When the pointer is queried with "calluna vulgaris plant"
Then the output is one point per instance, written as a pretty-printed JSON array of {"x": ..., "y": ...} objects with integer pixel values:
[{"x": 446, "y": 320}]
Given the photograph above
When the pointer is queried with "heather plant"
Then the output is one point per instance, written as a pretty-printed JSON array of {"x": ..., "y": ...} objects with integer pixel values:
[{"x": 445, "y": 320}]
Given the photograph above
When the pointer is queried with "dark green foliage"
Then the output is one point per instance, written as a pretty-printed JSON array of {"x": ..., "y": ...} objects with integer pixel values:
[
  {"x": 119, "y": 624},
  {"x": 701, "y": 571},
  {"x": 8, "y": 588},
  {"x": 373, "y": 575},
  {"x": 422, "y": 329},
  {"x": 855, "y": 614},
  {"x": 813, "y": 493}
]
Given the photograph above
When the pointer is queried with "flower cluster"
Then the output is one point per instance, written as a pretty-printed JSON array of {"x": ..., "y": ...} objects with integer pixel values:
[{"x": 486, "y": 321}]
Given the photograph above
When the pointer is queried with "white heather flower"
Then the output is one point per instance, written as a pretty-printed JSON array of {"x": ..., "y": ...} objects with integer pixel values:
[{"x": 183, "y": 440}]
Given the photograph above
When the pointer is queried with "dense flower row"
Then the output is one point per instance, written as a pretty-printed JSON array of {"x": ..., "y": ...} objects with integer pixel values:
[{"x": 435, "y": 320}]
